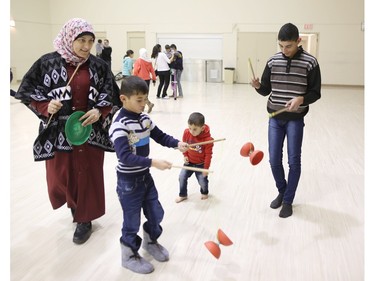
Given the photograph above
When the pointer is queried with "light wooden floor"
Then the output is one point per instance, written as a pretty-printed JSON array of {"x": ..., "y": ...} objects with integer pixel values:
[{"x": 322, "y": 241}]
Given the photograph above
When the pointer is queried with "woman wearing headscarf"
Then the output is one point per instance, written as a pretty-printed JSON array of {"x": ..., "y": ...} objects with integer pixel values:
[
  {"x": 143, "y": 69},
  {"x": 58, "y": 84}
]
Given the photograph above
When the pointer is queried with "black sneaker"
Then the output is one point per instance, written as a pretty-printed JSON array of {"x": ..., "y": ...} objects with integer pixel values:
[
  {"x": 286, "y": 210},
  {"x": 82, "y": 232},
  {"x": 276, "y": 203}
]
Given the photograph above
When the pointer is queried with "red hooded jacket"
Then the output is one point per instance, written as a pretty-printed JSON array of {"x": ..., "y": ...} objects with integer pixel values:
[{"x": 200, "y": 153}]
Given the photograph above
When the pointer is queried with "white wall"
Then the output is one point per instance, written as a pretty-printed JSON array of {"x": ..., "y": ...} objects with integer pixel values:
[
  {"x": 31, "y": 37},
  {"x": 338, "y": 23}
]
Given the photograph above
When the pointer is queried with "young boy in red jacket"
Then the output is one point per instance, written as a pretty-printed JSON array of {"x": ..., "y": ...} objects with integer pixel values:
[{"x": 196, "y": 156}]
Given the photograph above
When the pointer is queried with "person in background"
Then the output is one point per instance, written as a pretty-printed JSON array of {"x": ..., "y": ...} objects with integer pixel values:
[
  {"x": 168, "y": 51},
  {"x": 127, "y": 63},
  {"x": 163, "y": 70},
  {"x": 99, "y": 48},
  {"x": 107, "y": 53},
  {"x": 177, "y": 67},
  {"x": 74, "y": 173},
  {"x": 292, "y": 79},
  {"x": 196, "y": 156},
  {"x": 143, "y": 69},
  {"x": 12, "y": 92},
  {"x": 131, "y": 132}
]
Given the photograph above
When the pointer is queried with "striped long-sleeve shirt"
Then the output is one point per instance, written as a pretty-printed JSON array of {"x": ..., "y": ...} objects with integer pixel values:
[
  {"x": 130, "y": 133},
  {"x": 285, "y": 78}
]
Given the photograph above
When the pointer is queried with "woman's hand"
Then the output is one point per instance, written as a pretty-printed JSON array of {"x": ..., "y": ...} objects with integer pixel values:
[
  {"x": 54, "y": 106},
  {"x": 90, "y": 117}
]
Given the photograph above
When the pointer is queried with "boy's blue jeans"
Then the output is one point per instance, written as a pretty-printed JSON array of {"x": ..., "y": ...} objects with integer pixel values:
[
  {"x": 185, "y": 174},
  {"x": 293, "y": 131},
  {"x": 136, "y": 194}
]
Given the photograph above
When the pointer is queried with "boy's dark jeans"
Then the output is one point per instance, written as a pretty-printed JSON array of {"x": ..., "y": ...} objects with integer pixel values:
[{"x": 136, "y": 194}]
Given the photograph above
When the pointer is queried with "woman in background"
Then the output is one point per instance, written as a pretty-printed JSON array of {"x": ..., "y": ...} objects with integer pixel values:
[{"x": 164, "y": 72}]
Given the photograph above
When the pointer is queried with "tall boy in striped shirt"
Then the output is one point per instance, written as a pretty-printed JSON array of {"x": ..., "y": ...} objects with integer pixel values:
[{"x": 292, "y": 79}]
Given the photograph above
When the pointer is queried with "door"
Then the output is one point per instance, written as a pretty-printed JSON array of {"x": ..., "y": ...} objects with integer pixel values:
[
  {"x": 136, "y": 41},
  {"x": 259, "y": 47},
  {"x": 309, "y": 42}
]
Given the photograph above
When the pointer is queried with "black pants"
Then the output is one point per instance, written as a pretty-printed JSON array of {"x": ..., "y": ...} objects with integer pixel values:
[{"x": 164, "y": 78}]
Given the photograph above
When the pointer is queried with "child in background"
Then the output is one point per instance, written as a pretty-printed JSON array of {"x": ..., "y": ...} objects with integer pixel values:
[
  {"x": 177, "y": 67},
  {"x": 99, "y": 48},
  {"x": 168, "y": 51},
  {"x": 143, "y": 69},
  {"x": 197, "y": 156},
  {"x": 130, "y": 133},
  {"x": 127, "y": 64}
]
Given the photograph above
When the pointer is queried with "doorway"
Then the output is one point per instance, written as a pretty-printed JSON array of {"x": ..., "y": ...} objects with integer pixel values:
[
  {"x": 309, "y": 42},
  {"x": 136, "y": 41},
  {"x": 259, "y": 47}
]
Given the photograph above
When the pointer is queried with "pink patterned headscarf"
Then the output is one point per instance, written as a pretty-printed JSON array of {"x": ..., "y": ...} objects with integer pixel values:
[{"x": 64, "y": 41}]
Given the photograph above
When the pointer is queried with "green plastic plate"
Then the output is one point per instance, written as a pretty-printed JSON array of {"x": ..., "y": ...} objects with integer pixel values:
[{"x": 74, "y": 131}]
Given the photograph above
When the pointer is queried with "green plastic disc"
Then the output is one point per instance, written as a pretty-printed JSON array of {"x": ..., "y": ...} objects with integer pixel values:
[{"x": 74, "y": 131}]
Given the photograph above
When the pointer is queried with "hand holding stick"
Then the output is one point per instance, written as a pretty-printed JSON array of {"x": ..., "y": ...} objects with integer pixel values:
[
  {"x": 273, "y": 114},
  {"x": 66, "y": 88},
  {"x": 205, "y": 142}
]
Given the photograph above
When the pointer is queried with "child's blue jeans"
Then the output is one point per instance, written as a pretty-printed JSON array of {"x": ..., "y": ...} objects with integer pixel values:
[
  {"x": 185, "y": 174},
  {"x": 136, "y": 193}
]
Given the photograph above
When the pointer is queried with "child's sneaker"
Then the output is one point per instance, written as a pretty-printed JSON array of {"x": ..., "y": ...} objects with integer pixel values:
[
  {"x": 180, "y": 199},
  {"x": 204, "y": 196}
]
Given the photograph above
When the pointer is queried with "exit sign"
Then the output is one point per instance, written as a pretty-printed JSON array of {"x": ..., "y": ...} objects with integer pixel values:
[{"x": 308, "y": 26}]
